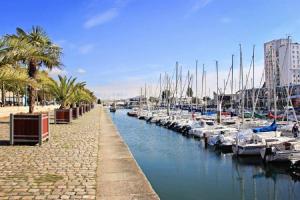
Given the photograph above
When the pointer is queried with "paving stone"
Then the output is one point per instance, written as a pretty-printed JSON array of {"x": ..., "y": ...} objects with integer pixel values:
[
  {"x": 57, "y": 169},
  {"x": 68, "y": 166}
]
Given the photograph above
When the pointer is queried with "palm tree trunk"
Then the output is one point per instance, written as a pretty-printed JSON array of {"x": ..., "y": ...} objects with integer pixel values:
[
  {"x": 18, "y": 98},
  {"x": 32, "y": 72},
  {"x": 14, "y": 98},
  {"x": 3, "y": 94}
]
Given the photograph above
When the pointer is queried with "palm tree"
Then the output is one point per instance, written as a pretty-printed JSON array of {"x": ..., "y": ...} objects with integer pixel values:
[
  {"x": 35, "y": 49},
  {"x": 4, "y": 62},
  {"x": 64, "y": 89},
  {"x": 44, "y": 82},
  {"x": 14, "y": 78},
  {"x": 82, "y": 95}
]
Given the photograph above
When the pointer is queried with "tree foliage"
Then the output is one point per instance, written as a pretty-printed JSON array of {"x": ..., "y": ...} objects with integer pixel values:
[
  {"x": 189, "y": 92},
  {"x": 165, "y": 94},
  {"x": 21, "y": 57},
  {"x": 64, "y": 89},
  {"x": 33, "y": 49}
]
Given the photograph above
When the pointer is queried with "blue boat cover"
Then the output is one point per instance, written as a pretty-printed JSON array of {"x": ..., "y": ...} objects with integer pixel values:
[
  {"x": 209, "y": 113},
  {"x": 272, "y": 127}
]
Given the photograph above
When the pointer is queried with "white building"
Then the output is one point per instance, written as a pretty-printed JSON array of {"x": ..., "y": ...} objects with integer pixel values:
[{"x": 282, "y": 63}]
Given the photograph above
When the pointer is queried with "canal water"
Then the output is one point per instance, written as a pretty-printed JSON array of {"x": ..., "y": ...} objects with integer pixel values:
[{"x": 180, "y": 168}]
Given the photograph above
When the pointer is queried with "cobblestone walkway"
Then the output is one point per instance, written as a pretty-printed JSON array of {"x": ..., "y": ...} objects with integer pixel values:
[{"x": 63, "y": 168}]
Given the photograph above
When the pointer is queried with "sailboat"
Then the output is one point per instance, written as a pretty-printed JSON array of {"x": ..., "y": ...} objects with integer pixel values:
[
  {"x": 251, "y": 142},
  {"x": 113, "y": 108},
  {"x": 281, "y": 152}
]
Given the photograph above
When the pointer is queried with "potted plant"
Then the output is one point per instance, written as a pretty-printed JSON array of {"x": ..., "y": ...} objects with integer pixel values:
[
  {"x": 77, "y": 98},
  {"x": 29, "y": 128},
  {"x": 80, "y": 110},
  {"x": 74, "y": 105},
  {"x": 63, "y": 91},
  {"x": 34, "y": 50}
]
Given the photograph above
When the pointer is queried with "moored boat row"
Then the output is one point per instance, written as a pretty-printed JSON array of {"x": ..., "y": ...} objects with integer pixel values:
[{"x": 273, "y": 143}]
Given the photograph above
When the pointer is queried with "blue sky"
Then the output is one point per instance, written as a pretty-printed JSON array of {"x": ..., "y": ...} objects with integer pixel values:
[{"x": 118, "y": 45}]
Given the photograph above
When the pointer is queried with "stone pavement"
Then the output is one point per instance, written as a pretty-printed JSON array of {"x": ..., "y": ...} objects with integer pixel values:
[
  {"x": 120, "y": 177},
  {"x": 83, "y": 160},
  {"x": 64, "y": 168}
]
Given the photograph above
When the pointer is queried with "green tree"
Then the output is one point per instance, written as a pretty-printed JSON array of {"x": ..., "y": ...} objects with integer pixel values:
[
  {"x": 189, "y": 92},
  {"x": 63, "y": 90},
  {"x": 35, "y": 49},
  {"x": 13, "y": 79},
  {"x": 165, "y": 94},
  {"x": 82, "y": 95}
]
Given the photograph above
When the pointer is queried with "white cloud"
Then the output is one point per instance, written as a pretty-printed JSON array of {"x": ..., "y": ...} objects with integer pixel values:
[
  {"x": 131, "y": 85},
  {"x": 225, "y": 20},
  {"x": 116, "y": 90},
  {"x": 101, "y": 18},
  {"x": 85, "y": 49},
  {"x": 61, "y": 42},
  {"x": 56, "y": 71},
  {"x": 197, "y": 5},
  {"x": 81, "y": 71},
  {"x": 200, "y": 4}
]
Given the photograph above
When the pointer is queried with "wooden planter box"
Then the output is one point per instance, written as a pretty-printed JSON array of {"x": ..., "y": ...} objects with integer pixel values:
[
  {"x": 80, "y": 110},
  {"x": 83, "y": 108},
  {"x": 75, "y": 112},
  {"x": 88, "y": 108},
  {"x": 62, "y": 116},
  {"x": 92, "y": 106},
  {"x": 29, "y": 128}
]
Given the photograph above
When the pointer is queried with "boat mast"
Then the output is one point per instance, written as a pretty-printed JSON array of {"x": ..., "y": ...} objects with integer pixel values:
[
  {"x": 202, "y": 82},
  {"x": 242, "y": 84},
  {"x": 274, "y": 89},
  {"x": 188, "y": 86},
  {"x": 196, "y": 84},
  {"x": 160, "y": 96},
  {"x": 145, "y": 90},
  {"x": 141, "y": 98},
  {"x": 231, "y": 99},
  {"x": 205, "y": 90},
  {"x": 169, "y": 94},
  {"x": 253, "y": 90},
  {"x": 176, "y": 84},
  {"x": 288, "y": 88},
  {"x": 180, "y": 78},
  {"x": 218, "y": 104}
]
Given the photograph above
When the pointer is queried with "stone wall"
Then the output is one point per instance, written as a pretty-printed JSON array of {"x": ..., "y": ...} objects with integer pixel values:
[{"x": 5, "y": 111}]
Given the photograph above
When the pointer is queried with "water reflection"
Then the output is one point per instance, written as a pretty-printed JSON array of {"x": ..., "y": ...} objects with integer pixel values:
[{"x": 181, "y": 168}]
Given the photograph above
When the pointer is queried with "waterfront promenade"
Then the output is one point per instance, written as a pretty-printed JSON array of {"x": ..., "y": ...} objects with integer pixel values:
[
  {"x": 120, "y": 177},
  {"x": 80, "y": 161}
]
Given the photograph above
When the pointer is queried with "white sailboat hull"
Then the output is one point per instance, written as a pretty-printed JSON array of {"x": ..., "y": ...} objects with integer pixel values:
[
  {"x": 247, "y": 150},
  {"x": 280, "y": 156}
]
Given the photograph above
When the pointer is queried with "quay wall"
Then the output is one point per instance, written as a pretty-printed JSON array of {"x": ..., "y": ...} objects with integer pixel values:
[
  {"x": 119, "y": 175},
  {"x": 5, "y": 111}
]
